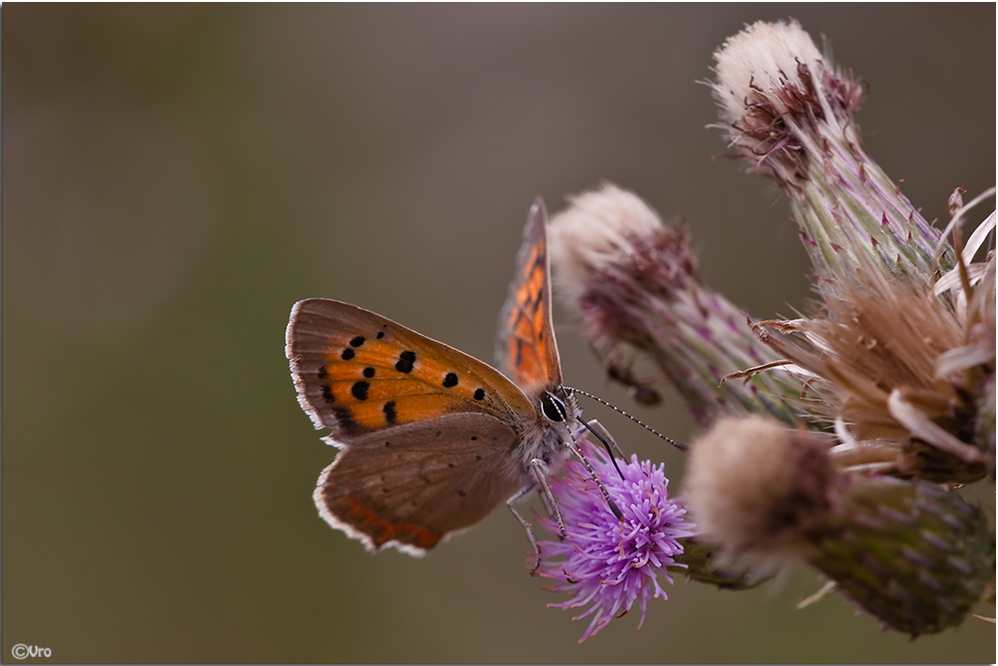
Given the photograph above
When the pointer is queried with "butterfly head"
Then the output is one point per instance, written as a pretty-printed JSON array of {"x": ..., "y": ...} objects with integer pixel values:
[{"x": 558, "y": 406}]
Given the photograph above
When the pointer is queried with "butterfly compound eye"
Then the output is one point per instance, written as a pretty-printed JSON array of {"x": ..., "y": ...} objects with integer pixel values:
[{"x": 553, "y": 407}]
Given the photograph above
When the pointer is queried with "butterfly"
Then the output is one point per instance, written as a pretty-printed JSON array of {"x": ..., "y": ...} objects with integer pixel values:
[{"x": 430, "y": 439}]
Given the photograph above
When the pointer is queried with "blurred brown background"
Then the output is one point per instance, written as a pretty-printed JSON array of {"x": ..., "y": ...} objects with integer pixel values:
[{"x": 176, "y": 177}]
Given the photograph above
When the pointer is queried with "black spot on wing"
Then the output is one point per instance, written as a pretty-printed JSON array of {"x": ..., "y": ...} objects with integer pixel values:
[
  {"x": 347, "y": 354},
  {"x": 406, "y": 362},
  {"x": 368, "y": 372},
  {"x": 345, "y": 418},
  {"x": 357, "y": 341},
  {"x": 479, "y": 394},
  {"x": 327, "y": 394},
  {"x": 450, "y": 380},
  {"x": 359, "y": 390},
  {"x": 390, "y": 414}
]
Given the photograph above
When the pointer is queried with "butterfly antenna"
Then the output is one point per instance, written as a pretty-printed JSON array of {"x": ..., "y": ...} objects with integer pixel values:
[{"x": 679, "y": 445}]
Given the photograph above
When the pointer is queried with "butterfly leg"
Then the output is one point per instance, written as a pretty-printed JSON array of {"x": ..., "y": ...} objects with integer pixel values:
[
  {"x": 524, "y": 523},
  {"x": 539, "y": 468},
  {"x": 606, "y": 495}
]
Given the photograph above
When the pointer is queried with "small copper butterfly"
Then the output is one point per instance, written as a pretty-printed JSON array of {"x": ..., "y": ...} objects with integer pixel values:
[{"x": 430, "y": 439}]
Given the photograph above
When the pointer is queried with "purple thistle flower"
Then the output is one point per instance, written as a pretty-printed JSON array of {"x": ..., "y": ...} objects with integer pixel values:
[{"x": 609, "y": 562}]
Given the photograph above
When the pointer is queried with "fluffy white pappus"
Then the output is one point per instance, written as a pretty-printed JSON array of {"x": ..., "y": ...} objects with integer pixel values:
[
  {"x": 755, "y": 487},
  {"x": 763, "y": 56},
  {"x": 596, "y": 229}
]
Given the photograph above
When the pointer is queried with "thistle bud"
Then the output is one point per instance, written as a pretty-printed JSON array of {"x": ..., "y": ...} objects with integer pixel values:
[
  {"x": 705, "y": 563},
  {"x": 755, "y": 488},
  {"x": 913, "y": 554}
]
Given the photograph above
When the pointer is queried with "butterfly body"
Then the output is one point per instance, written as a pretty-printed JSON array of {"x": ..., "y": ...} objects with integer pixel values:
[{"x": 431, "y": 439}]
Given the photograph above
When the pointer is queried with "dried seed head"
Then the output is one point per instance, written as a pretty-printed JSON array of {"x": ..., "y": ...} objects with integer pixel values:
[
  {"x": 790, "y": 112},
  {"x": 596, "y": 231},
  {"x": 775, "y": 89},
  {"x": 634, "y": 283},
  {"x": 904, "y": 375}
]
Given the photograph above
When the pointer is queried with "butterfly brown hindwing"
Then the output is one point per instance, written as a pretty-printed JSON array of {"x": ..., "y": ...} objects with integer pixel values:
[
  {"x": 526, "y": 349},
  {"x": 415, "y": 484}
]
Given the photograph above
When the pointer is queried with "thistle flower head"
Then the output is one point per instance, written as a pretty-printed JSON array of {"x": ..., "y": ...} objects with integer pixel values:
[{"x": 606, "y": 562}]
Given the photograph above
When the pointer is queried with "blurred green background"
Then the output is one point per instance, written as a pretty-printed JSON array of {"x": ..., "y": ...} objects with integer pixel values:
[{"x": 176, "y": 177}]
